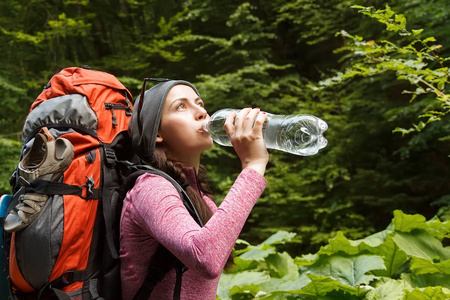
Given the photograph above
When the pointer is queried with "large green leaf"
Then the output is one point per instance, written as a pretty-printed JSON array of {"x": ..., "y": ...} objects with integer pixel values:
[
  {"x": 425, "y": 280},
  {"x": 421, "y": 244},
  {"x": 261, "y": 251},
  {"x": 243, "y": 264},
  {"x": 279, "y": 237},
  {"x": 281, "y": 265},
  {"x": 349, "y": 271},
  {"x": 428, "y": 254},
  {"x": 393, "y": 256},
  {"x": 275, "y": 285},
  {"x": 429, "y": 293},
  {"x": 340, "y": 244},
  {"x": 425, "y": 266},
  {"x": 236, "y": 283},
  {"x": 438, "y": 229},
  {"x": 388, "y": 289},
  {"x": 321, "y": 286},
  {"x": 406, "y": 223}
]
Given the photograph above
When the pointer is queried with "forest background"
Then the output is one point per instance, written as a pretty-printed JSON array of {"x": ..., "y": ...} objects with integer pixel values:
[{"x": 276, "y": 55}]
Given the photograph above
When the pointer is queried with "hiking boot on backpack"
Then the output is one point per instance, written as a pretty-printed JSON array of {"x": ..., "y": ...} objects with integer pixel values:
[{"x": 47, "y": 159}]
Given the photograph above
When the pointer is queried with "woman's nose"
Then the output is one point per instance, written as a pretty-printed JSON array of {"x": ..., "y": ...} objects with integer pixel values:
[{"x": 201, "y": 113}]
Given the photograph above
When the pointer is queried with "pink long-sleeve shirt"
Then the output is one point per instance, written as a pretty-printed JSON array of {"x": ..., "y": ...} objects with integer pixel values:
[{"x": 154, "y": 214}]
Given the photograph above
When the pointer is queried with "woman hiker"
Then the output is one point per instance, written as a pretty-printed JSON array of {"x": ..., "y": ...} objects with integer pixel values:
[{"x": 166, "y": 132}]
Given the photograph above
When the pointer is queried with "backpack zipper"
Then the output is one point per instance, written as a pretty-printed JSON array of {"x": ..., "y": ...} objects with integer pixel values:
[{"x": 113, "y": 106}]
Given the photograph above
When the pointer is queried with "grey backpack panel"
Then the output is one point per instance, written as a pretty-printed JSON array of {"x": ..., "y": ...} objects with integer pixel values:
[
  {"x": 37, "y": 246},
  {"x": 71, "y": 110}
]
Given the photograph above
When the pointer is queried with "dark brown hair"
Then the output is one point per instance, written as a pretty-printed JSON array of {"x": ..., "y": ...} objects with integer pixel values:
[{"x": 175, "y": 171}]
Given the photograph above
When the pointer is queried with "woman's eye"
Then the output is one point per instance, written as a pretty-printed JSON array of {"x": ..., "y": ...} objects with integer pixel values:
[
  {"x": 181, "y": 106},
  {"x": 201, "y": 104}
]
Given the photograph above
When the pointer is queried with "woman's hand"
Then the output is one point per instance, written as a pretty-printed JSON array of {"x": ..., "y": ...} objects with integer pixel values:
[{"x": 245, "y": 133}]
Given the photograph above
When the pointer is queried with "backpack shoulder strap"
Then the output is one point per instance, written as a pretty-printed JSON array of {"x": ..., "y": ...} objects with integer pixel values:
[{"x": 138, "y": 170}]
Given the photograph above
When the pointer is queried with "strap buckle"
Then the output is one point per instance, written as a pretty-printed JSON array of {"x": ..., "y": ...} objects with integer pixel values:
[
  {"x": 110, "y": 156},
  {"x": 90, "y": 183}
]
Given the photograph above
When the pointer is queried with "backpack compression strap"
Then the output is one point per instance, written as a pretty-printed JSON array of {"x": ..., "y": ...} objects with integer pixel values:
[
  {"x": 45, "y": 187},
  {"x": 163, "y": 260}
]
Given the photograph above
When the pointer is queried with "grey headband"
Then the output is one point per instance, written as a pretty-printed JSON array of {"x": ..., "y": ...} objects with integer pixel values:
[{"x": 149, "y": 116}]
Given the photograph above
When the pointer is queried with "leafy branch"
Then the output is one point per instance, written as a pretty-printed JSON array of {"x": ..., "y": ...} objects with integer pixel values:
[{"x": 417, "y": 62}]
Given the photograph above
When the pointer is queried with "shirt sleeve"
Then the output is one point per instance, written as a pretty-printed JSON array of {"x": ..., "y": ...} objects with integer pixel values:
[{"x": 161, "y": 213}]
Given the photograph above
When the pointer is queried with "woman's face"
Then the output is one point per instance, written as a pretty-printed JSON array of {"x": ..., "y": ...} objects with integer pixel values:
[{"x": 181, "y": 125}]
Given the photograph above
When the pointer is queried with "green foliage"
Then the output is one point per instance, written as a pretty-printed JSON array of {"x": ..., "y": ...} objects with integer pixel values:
[
  {"x": 9, "y": 154},
  {"x": 368, "y": 166},
  {"x": 13, "y": 96},
  {"x": 405, "y": 261},
  {"x": 417, "y": 62}
]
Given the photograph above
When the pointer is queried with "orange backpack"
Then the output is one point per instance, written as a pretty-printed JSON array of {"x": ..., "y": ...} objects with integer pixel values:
[{"x": 70, "y": 250}]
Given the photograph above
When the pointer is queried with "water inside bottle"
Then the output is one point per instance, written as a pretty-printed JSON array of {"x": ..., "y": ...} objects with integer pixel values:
[
  {"x": 217, "y": 131},
  {"x": 301, "y": 136}
]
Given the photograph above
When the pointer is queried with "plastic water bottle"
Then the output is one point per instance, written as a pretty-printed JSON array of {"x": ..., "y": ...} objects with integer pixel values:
[{"x": 296, "y": 134}]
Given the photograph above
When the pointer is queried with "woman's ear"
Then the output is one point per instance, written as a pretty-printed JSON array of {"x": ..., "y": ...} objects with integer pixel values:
[{"x": 159, "y": 138}]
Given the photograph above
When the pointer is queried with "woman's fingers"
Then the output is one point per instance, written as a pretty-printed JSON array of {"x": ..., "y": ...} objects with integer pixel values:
[
  {"x": 240, "y": 120},
  {"x": 249, "y": 120},
  {"x": 245, "y": 132},
  {"x": 247, "y": 124},
  {"x": 259, "y": 123},
  {"x": 235, "y": 123},
  {"x": 229, "y": 123}
]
